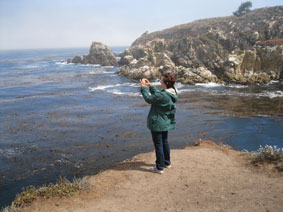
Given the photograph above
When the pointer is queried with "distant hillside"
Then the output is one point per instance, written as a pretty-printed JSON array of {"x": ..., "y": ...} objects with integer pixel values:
[
  {"x": 228, "y": 49},
  {"x": 257, "y": 20}
]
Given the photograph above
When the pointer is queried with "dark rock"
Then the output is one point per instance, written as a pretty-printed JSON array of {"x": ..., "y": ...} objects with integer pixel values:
[{"x": 77, "y": 59}]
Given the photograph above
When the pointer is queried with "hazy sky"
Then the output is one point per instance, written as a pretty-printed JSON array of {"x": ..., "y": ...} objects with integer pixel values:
[{"x": 76, "y": 23}]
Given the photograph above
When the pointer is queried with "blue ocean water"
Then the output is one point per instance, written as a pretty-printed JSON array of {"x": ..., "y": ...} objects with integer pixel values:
[{"x": 60, "y": 119}]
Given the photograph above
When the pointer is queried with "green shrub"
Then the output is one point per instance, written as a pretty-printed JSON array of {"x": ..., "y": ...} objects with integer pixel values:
[
  {"x": 63, "y": 188},
  {"x": 267, "y": 154}
]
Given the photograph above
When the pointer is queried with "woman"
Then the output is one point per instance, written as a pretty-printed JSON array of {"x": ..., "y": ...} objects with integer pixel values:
[{"x": 161, "y": 117}]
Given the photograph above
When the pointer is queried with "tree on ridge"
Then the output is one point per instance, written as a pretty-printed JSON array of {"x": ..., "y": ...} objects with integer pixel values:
[{"x": 243, "y": 9}]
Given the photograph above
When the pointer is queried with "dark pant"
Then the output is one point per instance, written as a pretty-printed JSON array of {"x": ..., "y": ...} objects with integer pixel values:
[{"x": 162, "y": 150}]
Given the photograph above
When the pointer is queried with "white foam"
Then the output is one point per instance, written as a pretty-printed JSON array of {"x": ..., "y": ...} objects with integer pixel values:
[
  {"x": 33, "y": 66},
  {"x": 179, "y": 85},
  {"x": 185, "y": 90},
  {"x": 273, "y": 82},
  {"x": 118, "y": 92},
  {"x": 129, "y": 84},
  {"x": 271, "y": 94},
  {"x": 209, "y": 84},
  {"x": 102, "y": 87},
  {"x": 113, "y": 89},
  {"x": 8, "y": 152},
  {"x": 63, "y": 63},
  {"x": 155, "y": 83},
  {"x": 101, "y": 72},
  {"x": 236, "y": 86},
  {"x": 92, "y": 65}
]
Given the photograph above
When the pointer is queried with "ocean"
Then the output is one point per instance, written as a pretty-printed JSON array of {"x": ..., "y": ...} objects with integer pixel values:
[{"x": 72, "y": 120}]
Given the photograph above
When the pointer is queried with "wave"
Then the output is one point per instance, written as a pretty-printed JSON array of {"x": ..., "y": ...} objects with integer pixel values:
[
  {"x": 102, "y": 71},
  {"x": 65, "y": 63},
  {"x": 209, "y": 85},
  {"x": 101, "y": 87},
  {"x": 8, "y": 153},
  {"x": 236, "y": 86},
  {"x": 114, "y": 89},
  {"x": 91, "y": 65},
  {"x": 155, "y": 83},
  {"x": 211, "y": 88},
  {"x": 33, "y": 66},
  {"x": 271, "y": 94},
  {"x": 185, "y": 90},
  {"x": 268, "y": 94},
  {"x": 118, "y": 92},
  {"x": 273, "y": 82}
]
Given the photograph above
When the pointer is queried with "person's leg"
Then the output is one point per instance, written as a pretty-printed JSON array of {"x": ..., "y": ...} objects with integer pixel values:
[
  {"x": 166, "y": 148},
  {"x": 157, "y": 140}
]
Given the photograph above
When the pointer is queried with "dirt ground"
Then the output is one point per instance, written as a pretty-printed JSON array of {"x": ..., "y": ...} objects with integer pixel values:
[{"x": 203, "y": 178}]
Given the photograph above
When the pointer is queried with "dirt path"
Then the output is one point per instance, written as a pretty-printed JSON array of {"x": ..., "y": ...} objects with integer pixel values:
[{"x": 204, "y": 178}]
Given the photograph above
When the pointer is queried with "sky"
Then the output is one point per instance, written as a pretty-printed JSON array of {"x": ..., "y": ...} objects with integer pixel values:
[{"x": 28, "y": 24}]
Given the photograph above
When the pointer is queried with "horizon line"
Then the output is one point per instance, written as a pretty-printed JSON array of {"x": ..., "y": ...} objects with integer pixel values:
[{"x": 50, "y": 48}]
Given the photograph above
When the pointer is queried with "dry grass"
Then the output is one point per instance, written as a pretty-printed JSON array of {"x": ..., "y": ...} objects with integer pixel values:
[{"x": 63, "y": 188}]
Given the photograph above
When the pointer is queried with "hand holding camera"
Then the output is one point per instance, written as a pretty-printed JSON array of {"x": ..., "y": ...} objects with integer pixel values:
[{"x": 145, "y": 82}]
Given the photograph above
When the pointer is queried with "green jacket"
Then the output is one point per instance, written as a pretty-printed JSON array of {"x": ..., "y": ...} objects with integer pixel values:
[{"x": 161, "y": 116}]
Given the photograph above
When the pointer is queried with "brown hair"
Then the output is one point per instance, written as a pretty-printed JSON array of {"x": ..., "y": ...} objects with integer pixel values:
[{"x": 169, "y": 80}]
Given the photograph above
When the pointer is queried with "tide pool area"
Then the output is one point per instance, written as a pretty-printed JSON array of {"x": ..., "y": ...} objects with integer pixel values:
[{"x": 60, "y": 119}]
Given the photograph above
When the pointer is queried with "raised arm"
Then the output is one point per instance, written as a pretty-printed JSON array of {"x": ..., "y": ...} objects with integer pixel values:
[{"x": 155, "y": 96}]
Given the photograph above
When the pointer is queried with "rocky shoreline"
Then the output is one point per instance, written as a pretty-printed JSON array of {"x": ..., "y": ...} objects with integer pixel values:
[{"x": 245, "y": 50}]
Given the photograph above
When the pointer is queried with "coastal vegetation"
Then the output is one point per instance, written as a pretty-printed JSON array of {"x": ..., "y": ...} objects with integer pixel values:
[
  {"x": 63, "y": 188},
  {"x": 268, "y": 155}
]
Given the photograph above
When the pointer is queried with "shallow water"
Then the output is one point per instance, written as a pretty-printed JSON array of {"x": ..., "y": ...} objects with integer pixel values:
[{"x": 74, "y": 120}]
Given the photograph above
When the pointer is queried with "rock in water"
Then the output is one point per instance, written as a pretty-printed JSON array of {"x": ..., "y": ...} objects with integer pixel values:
[
  {"x": 76, "y": 59},
  {"x": 98, "y": 54}
]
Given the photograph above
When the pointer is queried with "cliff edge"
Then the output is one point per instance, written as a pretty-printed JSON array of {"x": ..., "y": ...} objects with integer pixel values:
[{"x": 202, "y": 178}]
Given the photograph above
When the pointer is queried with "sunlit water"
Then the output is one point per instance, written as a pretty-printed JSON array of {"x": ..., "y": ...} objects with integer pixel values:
[{"x": 61, "y": 119}]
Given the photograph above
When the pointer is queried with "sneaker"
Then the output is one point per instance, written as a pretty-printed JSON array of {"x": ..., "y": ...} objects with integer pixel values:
[
  {"x": 169, "y": 166},
  {"x": 155, "y": 170}
]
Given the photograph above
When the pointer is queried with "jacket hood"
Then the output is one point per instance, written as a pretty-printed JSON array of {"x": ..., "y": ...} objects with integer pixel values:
[{"x": 173, "y": 93}]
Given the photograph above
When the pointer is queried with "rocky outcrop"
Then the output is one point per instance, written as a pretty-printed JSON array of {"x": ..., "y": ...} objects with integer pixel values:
[
  {"x": 98, "y": 54},
  {"x": 244, "y": 49},
  {"x": 260, "y": 64}
]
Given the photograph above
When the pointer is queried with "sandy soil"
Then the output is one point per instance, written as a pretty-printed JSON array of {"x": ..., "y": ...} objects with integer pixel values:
[{"x": 203, "y": 178}]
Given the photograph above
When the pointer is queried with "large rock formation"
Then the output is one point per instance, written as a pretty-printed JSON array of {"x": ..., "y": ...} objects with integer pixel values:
[
  {"x": 244, "y": 49},
  {"x": 98, "y": 54}
]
